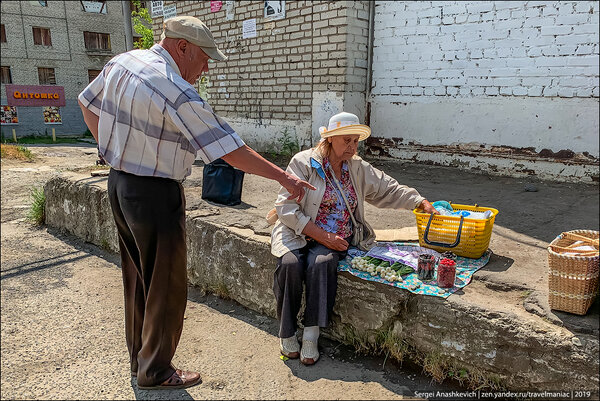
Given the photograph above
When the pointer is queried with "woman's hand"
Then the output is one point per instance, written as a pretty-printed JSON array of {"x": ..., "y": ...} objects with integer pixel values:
[
  {"x": 427, "y": 207},
  {"x": 330, "y": 240},
  {"x": 333, "y": 241}
]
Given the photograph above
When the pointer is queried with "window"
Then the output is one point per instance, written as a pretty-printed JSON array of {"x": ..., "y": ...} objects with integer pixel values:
[
  {"x": 96, "y": 41},
  {"x": 92, "y": 74},
  {"x": 2, "y": 34},
  {"x": 46, "y": 76},
  {"x": 6, "y": 77},
  {"x": 41, "y": 36}
]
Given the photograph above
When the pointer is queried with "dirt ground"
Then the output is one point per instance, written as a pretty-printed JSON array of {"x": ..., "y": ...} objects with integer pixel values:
[{"x": 62, "y": 323}]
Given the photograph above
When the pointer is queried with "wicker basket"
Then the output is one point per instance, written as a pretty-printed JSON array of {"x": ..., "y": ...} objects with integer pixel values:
[{"x": 573, "y": 279}]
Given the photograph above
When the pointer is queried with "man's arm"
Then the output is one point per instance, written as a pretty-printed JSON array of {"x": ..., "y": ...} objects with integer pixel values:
[
  {"x": 91, "y": 120},
  {"x": 246, "y": 159}
]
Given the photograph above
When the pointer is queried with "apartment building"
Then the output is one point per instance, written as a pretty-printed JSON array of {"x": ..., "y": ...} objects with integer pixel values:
[{"x": 50, "y": 51}]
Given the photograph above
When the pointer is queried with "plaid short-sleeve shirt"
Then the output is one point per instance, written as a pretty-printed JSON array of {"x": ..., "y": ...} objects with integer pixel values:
[{"x": 153, "y": 122}]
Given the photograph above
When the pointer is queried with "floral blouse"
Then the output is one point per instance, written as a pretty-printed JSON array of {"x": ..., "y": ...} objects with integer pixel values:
[{"x": 333, "y": 215}]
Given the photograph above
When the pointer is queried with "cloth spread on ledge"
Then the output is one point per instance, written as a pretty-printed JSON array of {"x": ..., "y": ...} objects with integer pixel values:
[{"x": 465, "y": 268}]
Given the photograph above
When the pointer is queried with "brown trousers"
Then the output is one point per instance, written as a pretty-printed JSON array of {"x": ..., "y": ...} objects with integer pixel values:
[{"x": 150, "y": 216}]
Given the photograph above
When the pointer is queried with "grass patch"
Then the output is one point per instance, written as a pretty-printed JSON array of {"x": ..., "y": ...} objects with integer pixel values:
[
  {"x": 46, "y": 139},
  {"x": 15, "y": 152},
  {"x": 359, "y": 341},
  {"x": 219, "y": 289},
  {"x": 104, "y": 244},
  {"x": 524, "y": 294},
  {"x": 37, "y": 211},
  {"x": 434, "y": 363},
  {"x": 283, "y": 149},
  {"x": 393, "y": 345},
  {"x": 441, "y": 367}
]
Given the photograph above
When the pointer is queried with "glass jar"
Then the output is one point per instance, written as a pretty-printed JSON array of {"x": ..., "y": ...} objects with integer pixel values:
[
  {"x": 426, "y": 267},
  {"x": 446, "y": 273}
]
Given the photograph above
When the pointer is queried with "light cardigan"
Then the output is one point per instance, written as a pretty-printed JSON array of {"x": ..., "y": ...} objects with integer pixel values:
[{"x": 371, "y": 185}]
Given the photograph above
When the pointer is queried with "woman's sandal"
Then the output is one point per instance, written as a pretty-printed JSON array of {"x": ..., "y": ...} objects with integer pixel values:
[{"x": 179, "y": 379}]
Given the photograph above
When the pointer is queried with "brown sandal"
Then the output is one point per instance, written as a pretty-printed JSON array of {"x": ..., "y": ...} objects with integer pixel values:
[{"x": 179, "y": 379}]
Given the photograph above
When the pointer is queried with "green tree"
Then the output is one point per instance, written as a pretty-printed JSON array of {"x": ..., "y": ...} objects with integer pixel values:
[{"x": 138, "y": 18}]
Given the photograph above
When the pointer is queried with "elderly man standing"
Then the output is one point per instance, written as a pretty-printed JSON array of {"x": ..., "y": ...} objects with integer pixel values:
[{"x": 150, "y": 123}]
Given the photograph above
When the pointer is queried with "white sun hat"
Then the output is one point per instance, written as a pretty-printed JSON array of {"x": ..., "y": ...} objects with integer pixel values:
[{"x": 345, "y": 124}]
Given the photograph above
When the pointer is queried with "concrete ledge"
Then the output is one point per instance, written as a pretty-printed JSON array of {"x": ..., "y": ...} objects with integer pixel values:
[{"x": 483, "y": 334}]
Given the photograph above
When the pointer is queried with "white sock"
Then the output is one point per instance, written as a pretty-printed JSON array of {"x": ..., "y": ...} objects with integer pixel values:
[{"x": 311, "y": 334}]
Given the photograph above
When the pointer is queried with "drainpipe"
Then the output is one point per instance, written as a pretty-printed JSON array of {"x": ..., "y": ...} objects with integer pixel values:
[
  {"x": 127, "y": 21},
  {"x": 369, "y": 62}
]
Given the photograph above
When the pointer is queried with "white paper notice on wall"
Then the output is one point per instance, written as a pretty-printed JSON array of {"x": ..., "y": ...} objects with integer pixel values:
[
  {"x": 274, "y": 9},
  {"x": 249, "y": 29},
  {"x": 169, "y": 11},
  {"x": 156, "y": 8},
  {"x": 229, "y": 10}
]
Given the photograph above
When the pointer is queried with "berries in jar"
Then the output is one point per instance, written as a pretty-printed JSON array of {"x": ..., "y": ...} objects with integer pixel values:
[{"x": 446, "y": 273}]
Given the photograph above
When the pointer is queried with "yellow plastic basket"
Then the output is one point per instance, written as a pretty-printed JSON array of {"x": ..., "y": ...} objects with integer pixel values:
[{"x": 465, "y": 237}]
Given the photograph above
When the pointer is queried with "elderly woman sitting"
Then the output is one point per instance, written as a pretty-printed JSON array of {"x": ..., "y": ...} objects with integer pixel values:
[{"x": 311, "y": 236}]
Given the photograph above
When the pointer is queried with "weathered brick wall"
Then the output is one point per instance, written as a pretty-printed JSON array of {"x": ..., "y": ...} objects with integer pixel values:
[
  {"x": 501, "y": 48},
  {"x": 508, "y": 87},
  {"x": 268, "y": 86},
  {"x": 67, "y": 55}
]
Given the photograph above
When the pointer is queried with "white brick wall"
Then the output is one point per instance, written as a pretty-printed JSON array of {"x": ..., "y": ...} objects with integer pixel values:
[
  {"x": 451, "y": 77},
  {"x": 420, "y": 42}
]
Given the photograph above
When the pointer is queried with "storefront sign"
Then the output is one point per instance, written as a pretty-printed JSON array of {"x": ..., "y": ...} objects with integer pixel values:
[{"x": 35, "y": 95}]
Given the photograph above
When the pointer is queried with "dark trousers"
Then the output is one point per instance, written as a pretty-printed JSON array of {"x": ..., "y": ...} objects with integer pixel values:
[
  {"x": 315, "y": 266},
  {"x": 150, "y": 216}
]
